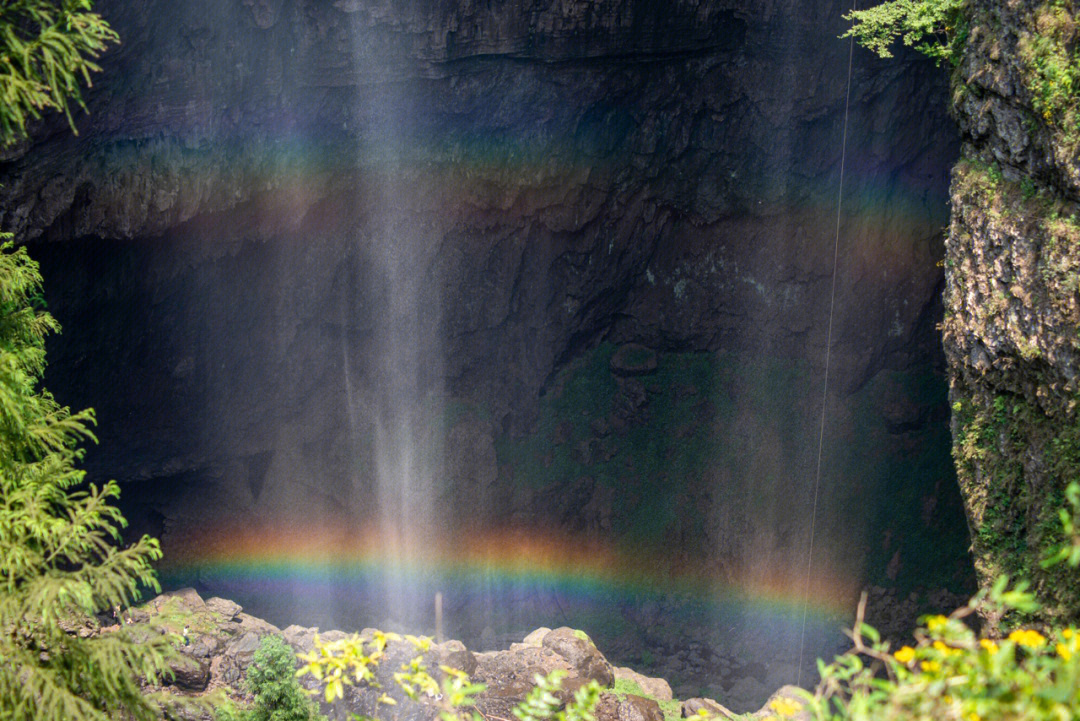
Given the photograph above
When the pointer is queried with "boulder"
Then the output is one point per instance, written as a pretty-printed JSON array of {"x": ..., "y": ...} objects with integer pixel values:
[
  {"x": 536, "y": 638},
  {"x": 692, "y": 707},
  {"x": 229, "y": 610},
  {"x": 452, "y": 654},
  {"x": 189, "y": 674},
  {"x": 244, "y": 647},
  {"x": 301, "y": 638},
  {"x": 257, "y": 625},
  {"x": 188, "y": 596},
  {"x": 627, "y": 707},
  {"x": 581, "y": 654},
  {"x": 639, "y": 708},
  {"x": 658, "y": 688}
]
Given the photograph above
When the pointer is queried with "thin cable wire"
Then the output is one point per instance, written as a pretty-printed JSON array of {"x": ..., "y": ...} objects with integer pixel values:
[{"x": 828, "y": 358}]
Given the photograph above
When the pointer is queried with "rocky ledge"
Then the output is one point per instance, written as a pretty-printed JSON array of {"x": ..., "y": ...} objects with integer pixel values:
[{"x": 219, "y": 642}]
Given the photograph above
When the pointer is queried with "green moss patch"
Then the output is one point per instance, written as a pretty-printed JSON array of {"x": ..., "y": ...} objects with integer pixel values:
[
  {"x": 1014, "y": 462},
  {"x": 672, "y": 710}
]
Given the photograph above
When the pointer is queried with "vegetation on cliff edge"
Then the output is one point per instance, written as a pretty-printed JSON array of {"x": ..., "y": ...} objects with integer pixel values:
[{"x": 60, "y": 565}]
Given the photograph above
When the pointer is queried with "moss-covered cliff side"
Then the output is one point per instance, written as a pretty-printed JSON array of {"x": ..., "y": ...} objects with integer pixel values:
[{"x": 1012, "y": 309}]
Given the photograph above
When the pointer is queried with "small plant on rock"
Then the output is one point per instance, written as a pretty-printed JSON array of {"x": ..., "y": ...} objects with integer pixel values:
[
  {"x": 542, "y": 703},
  {"x": 271, "y": 679}
]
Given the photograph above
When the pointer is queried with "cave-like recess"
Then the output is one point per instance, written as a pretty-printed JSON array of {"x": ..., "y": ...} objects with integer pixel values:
[{"x": 620, "y": 219}]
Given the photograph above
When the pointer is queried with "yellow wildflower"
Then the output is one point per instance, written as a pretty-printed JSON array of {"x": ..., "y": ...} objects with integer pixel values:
[
  {"x": 930, "y": 666},
  {"x": 905, "y": 655},
  {"x": 935, "y": 622},
  {"x": 990, "y": 646},
  {"x": 974, "y": 717},
  {"x": 1064, "y": 651},
  {"x": 1068, "y": 633},
  {"x": 785, "y": 706},
  {"x": 1028, "y": 637}
]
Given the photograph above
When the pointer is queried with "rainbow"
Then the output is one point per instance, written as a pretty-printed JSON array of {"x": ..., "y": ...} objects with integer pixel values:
[{"x": 281, "y": 558}]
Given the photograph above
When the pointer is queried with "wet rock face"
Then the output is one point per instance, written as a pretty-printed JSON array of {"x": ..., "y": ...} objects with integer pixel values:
[
  {"x": 646, "y": 171},
  {"x": 1011, "y": 292}
]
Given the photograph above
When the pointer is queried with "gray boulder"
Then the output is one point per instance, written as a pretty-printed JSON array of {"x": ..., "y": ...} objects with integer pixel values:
[
  {"x": 658, "y": 688},
  {"x": 581, "y": 654},
  {"x": 693, "y": 707}
]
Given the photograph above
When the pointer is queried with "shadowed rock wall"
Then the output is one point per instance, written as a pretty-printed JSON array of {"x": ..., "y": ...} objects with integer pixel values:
[{"x": 574, "y": 177}]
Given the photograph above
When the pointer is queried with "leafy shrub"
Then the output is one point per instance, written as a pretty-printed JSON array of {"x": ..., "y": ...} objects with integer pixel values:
[
  {"x": 543, "y": 705},
  {"x": 271, "y": 679},
  {"x": 952, "y": 674},
  {"x": 936, "y": 28}
]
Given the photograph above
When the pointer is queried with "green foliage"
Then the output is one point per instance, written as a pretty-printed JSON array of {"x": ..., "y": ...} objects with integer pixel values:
[
  {"x": 353, "y": 660},
  {"x": 936, "y": 28},
  {"x": 47, "y": 48},
  {"x": 59, "y": 562},
  {"x": 951, "y": 673},
  {"x": 1051, "y": 65},
  {"x": 542, "y": 703},
  {"x": 1016, "y": 525},
  {"x": 271, "y": 679},
  {"x": 1069, "y": 553}
]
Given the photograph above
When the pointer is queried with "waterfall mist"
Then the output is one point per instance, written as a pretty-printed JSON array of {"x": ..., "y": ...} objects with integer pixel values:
[{"x": 523, "y": 306}]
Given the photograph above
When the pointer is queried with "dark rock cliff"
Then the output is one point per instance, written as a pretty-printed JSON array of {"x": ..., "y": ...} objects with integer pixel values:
[
  {"x": 565, "y": 179},
  {"x": 1011, "y": 304}
]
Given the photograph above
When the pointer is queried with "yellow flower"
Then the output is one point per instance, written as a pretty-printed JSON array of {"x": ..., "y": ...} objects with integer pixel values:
[
  {"x": 905, "y": 655},
  {"x": 935, "y": 622},
  {"x": 1068, "y": 633},
  {"x": 974, "y": 717},
  {"x": 785, "y": 706},
  {"x": 1064, "y": 651},
  {"x": 1028, "y": 637},
  {"x": 990, "y": 646},
  {"x": 940, "y": 647},
  {"x": 930, "y": 666}
]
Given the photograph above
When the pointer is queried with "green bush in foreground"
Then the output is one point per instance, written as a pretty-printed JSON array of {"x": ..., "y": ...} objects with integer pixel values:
[
  {"x": 951, "y": 674},
  {"x": 271, "y": 679},
  {"x": 59, "y": 562}
]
